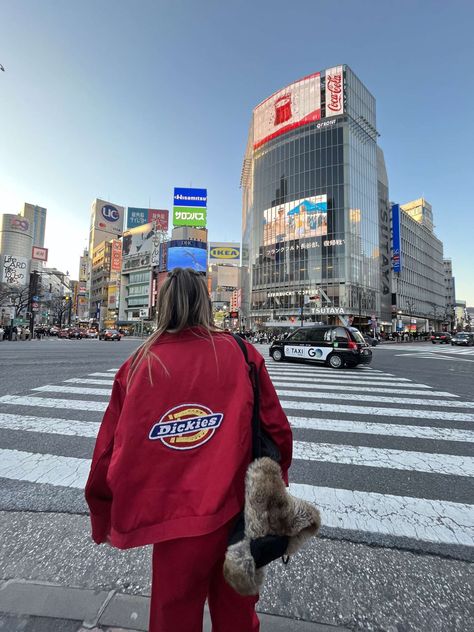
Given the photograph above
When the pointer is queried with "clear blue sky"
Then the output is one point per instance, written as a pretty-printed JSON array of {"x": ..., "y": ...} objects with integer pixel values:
[{"x": 126, "y": 99}]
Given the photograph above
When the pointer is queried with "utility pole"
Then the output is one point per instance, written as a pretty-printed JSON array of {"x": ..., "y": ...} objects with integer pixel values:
[{"x": 33, "y": 291}]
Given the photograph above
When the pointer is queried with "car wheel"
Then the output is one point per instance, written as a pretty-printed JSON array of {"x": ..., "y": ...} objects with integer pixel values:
[
  {"x": 277, "y": 355},
  {"x": 433, "y": 342},
  {"x": 335, "y": 361}
]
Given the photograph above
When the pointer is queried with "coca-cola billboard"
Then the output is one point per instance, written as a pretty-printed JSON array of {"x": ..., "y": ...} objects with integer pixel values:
[
  {"x": 293, "y": 106},
  {"x": 334, "y": 91}
]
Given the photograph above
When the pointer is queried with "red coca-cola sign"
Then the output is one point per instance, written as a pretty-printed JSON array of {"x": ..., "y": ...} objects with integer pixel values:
[{"x": 334, "y": 91}]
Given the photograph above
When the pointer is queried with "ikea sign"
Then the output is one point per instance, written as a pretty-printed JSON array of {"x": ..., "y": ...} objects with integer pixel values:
[{"x": 224, "y": 252}]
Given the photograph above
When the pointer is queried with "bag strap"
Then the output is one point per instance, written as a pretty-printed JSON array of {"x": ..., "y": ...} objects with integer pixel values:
[{"x": 256, "y": 437}]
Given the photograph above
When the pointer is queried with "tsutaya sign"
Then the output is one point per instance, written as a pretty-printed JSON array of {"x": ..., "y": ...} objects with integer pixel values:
[{"x": 329, "y": 310}]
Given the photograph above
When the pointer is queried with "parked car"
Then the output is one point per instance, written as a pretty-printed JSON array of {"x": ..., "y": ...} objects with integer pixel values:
[
  {"x": 335, "y": 346},
  {"x": 463, "y": 338},
  {"x": 109, "y": 334},
  {"x": 441, "y": 336},
  {"x": 54, "y": 331},
  {"x": 63, "y": 333},
  {"x": 92, "y": 333}
]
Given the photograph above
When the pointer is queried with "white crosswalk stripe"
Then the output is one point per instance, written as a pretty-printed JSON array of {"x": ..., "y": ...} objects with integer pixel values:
[{"x": 365, "y": 420}]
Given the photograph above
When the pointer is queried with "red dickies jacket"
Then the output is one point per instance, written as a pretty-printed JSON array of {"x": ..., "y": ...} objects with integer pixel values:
[{"x": 171, "y": 453}]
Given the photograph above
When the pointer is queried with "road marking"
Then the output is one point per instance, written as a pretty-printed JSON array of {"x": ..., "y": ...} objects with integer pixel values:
[
  {"x": 390, "y": 430},
  {"x": 49, "y": 425},
  {"x": 373, "y": 410},
  {"x": 385, "y": 458},
  {"x": 382, "y": 399},
  {"x": 315, "y": 370},
  {"x": 77, "y": 390},
  {"x": 63, "y": 471},
  {"x": 43, "y": 402},
  {"x": 341, "y": 377},
  {"x": 328, "y": 380},
  {"x": 99, "y": 375},
  {"x": 438, "y": 521},
  {"x": 432, "y": 357},
  {"x": 360, "y": 389},
  {"x": 112, "y": 370},
  {"x": 81, "y": 380}
]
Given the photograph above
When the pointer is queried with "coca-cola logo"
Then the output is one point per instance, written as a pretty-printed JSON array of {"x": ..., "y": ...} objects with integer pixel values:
[{"x": 334, "y": 88}]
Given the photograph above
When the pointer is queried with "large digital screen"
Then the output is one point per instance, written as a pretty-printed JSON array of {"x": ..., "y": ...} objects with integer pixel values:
[
  {"x": 187, "y": 253},
  {"x": 295, "y": 220},
  {"x": 293, "y": 106}
]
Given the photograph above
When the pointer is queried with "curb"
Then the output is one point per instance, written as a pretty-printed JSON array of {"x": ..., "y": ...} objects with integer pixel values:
[{"x": 111, "y": 609}]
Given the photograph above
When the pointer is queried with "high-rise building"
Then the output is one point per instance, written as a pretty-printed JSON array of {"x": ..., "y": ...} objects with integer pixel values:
[
  {"x": 105, "y": 282},
  {"x": 16, "y": 241},
  {"x": 311, "y": 204},
  {"x": 421, "y": 211},
  {"x": 418, "y": 279},
  {"x": 36, "y": 215},
  {"x": 107, "y": 221},
  {"x": 450, "y": 293}
]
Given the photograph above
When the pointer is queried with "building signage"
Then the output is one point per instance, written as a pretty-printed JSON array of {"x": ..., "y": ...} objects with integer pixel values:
[
  {"x": 190, "y": 207},
  {"x": 139, "y": 216},
  {"x": 108, "y": 217},
  {"x": 19, "y": 225},
  {"x": 15, "y": 270},
  {"x": 328, "y": 310},
  {"x": 40, "y": 254},
  {"x": 302, "y": 218},
  {"x": 396, "y": 245},
  {"x": 187, "y": 253},
  {"x": 116, "y": 258},
  {"x": 190, "y": 197},
  {"x": 289, "y": 108},
  {"x": 186, "y": 216},
  {"x": 334, "y": 91},
  {"x": 224, "y": 252}
]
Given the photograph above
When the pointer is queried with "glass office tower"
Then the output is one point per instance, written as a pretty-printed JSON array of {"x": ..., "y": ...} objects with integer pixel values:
[{"x": 310, "y": 204}]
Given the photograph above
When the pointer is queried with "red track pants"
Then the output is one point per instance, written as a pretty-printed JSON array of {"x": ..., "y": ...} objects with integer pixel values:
[{"x": 185, "y": 573}]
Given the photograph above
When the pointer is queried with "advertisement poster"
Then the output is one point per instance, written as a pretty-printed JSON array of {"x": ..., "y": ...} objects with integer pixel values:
[
  {"x": 139, "y": 240},
  {"x": 187, "y": 253},
  {"x": 289, "y": 108},
  {"x": 116, "y": 263},
  {"x": 190, "y": 207},
  {"x": 295, "y": 220},
  {"x": 334, "y": 91},
  {"x": 15, "y": 270},
  {"x": 40, "y": 254},
  {"x": 396, "y": 246},
  {"x": 140, "y": 216},
  {"x": 224, "y": 252}
]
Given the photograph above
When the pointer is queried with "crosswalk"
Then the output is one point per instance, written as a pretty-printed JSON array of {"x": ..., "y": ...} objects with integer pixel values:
[{"x": 386, "y": 459}]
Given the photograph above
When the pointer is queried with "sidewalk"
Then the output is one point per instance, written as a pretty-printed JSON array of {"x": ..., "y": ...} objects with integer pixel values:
[{"x": 101, "y": 610}]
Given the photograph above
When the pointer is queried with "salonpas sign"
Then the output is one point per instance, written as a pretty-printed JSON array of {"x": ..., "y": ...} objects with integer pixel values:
[
  {"x": 187, "y": 216},
  {"x": 190, "y": 207}
]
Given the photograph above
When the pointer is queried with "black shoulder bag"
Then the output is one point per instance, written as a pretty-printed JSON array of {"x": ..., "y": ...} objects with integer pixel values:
[{"x": 270, "y": 547}]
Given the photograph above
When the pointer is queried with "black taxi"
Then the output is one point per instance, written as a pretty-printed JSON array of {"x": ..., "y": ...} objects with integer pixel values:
[{"x": 333, "y": 345}]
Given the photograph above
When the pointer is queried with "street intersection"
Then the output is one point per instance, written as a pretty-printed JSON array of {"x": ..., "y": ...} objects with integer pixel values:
[{"x": 386, "y": 452}]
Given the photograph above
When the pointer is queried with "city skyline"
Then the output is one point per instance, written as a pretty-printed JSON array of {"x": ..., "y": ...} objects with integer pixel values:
[{"x": 126, "y": 123}]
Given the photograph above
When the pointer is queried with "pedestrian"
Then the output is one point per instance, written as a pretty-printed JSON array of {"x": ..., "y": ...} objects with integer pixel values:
[{"x": 171, "y": 455}]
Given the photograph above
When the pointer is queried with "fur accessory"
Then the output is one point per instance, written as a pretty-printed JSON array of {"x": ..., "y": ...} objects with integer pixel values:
[{"x": 269, "y": 511}]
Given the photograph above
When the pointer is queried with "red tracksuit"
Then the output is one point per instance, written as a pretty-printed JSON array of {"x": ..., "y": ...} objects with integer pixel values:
[{"x": 168, "y": 469}]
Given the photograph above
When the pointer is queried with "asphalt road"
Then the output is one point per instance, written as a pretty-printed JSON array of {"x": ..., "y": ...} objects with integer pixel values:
[{"x": 386, "y": 453}]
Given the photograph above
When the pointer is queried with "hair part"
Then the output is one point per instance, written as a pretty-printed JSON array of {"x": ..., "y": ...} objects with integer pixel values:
[{"x": 183, "y": 301}]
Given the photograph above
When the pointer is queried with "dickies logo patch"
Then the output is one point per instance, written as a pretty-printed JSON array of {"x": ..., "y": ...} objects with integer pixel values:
[{"x": 186, "y": 426}]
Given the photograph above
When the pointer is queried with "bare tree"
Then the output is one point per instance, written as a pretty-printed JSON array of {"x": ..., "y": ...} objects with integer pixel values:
[
  {"x": 59, "y": 306},
  {"x": 16, "y": 296}
]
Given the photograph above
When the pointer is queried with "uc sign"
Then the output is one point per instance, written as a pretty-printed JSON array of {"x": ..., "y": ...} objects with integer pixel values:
[
  {"x": 110, "y": 213},
  {"x": 225, "y": 253}
]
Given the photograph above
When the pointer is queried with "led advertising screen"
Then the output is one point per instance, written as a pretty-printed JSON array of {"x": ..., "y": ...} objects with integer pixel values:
[
  {"x": 289, "y": 108},
  {"x": 294, "y": 220},
  {"x": 396, "y": 246},
  {"x": 187, "y": 253},
  {"x": 142, "y": 240}
]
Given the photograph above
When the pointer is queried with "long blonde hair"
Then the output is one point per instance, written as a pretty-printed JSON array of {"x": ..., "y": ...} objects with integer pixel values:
[{"x": 183, "y": 301}]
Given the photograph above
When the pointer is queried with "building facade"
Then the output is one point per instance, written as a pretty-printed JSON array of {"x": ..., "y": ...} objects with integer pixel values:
[
  {"x": 450, "y": 293},
  {"x": 104, "y": 284},
  {"x": 16, "y": 242},
  {"x": 311, "y": 204},
  {"x": 36, "y": 215},
  {"x": 419, "y": 297}
]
